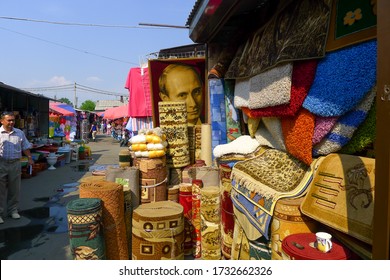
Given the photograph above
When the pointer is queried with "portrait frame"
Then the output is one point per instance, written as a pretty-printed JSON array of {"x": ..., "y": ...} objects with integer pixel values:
[{"x": 156, "y": 67}]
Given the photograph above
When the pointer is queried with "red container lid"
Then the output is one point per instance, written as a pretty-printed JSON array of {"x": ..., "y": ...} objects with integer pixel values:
[{"x": 300, "y": 246}]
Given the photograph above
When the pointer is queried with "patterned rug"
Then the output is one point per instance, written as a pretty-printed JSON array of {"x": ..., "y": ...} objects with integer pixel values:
[
  {"x": 86, "y": 229},
  {"x": 351, "y": 22},
  {"x": 341, "y": 195},
  {"x": 258, "y": 183},
  {"x": 304, "y": 26},
  {"x": 112, "y": 197}
]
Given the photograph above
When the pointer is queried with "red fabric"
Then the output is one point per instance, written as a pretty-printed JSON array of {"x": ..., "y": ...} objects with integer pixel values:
[
  {"x": 185, "y": 199},
  {"x": 309, "y": 252},
  {"x": 302, "y": 79},
  {"x": 138, "y": 85},
  {"x": 196, "y": 219}
]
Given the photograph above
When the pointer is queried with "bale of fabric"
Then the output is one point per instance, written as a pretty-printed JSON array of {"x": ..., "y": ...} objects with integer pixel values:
[
  {"x": 173, "y": 122},
  {"x": 158, "y": 231},
  {"x": 185, "y": 200},
  {"x": 85, "y": 229},
  {"x": 112, "y": 197},
  {"x": 288, "y": 219},
  {"x": 153, "y": 178},
  {"x": 210, "y": 213}
]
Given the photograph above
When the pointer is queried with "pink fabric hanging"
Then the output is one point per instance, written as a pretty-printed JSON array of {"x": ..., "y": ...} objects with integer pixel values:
[{"x": 138, "y": 85}]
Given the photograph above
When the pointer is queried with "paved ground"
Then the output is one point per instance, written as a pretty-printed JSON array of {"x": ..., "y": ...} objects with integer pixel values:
[{"x": 41, "y": 233}]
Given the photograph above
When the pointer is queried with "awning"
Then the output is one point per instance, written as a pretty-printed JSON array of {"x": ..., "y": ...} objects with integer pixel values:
[
  {"x": 116, "y": 112},
  {"x": 61, "y": 108}
]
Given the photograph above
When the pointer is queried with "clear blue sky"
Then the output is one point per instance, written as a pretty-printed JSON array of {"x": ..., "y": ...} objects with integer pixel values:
[{"x": 34, "y": 54}]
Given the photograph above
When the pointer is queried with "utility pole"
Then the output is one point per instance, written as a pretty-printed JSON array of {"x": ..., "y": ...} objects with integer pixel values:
[{"x": 75, "y": 97}]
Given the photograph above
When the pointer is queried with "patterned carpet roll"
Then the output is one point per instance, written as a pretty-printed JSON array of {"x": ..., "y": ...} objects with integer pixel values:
[
  {"x": 173, "y": 122},
  {"x": 191, "y": 142},
  {"x": 227, "y": 215},
  {"x": 198, "y": 141},
  {"x": 158, "y": 231},
  {"x": 240, "y": 246},
  {"x": 124, "y": 158},
  {"x": 288, "y": 219},
  {"x": 126, "y": 176},
  {"x": 197, "y": 185},
  {"x": 206, "y": 146},
  {"x": 112, "y": 197},
  {"x": 154, "y": 176},
  {"x": 185, "y": 199},
  {"x": 86, "y": 229},
  {"x": 210, "y": 212},
  {"x": 173, "y": 193}
]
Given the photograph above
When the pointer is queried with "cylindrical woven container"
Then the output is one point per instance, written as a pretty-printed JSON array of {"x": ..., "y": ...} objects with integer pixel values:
[
  {"x": 112, "y": 197},
  {"x": 173, "y": 193},
  {"x": 227, "y": 215},
  {"x": 197, "y": 185},
  {"x": 173, "y": 122},
  {"x": 210, "y": 207},
  {"x": 288, "y": 219},
  {"x": 91, "y": 179},
  {"x": 126, "y": 176},
  {"x": 86, "y": 229},
  {"x": 153, "y": 178},
  {"x": 185, "y": 199},
  {"x": 124, "y": 158},
  {"x": 158, "y": 231}
]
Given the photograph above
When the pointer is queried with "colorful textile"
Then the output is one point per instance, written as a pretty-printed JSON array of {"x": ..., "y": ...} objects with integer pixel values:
[
  {"x": 197, "y": 185},
  {"x": 351, "y": 22},
  {"x": 185, "y": 199},
  {"x": 345, "y": 127},
  {"x": 341, "y": 195},
  {"x": 240, "y": 246},
  {"x": 343, "y": 79},
  {"x": 259, "y": 182},
  {"x": 304, "y": 27},
  {"x": 233, "y": 126},
  {"x": 86, "y": 229},
  {"x": 210, "y": 223},
  {"x": 271, "y": 87},
  {"x": 139, "y": 93},
  {"x": 303, "y": 74},
  {"x": 364, "y": 136},
  {"x": 298, "y": 135},
  {"x": 112, "y": 197},
  {"x": 322, "y": 127},
  {"x": 158, "y": 231},
  {"x": 260, "y": 249},
  {"x": 218, "y": 112},
  {"x": 242, "y": 145}
]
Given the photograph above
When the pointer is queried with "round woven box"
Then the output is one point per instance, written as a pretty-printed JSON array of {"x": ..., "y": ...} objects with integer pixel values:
[{"x": 158, "y": 231}]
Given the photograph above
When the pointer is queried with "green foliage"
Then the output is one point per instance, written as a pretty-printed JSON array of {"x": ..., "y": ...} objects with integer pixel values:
[
  {"x": 65, "y": 100},
  {"x": 88, "y": 105}
]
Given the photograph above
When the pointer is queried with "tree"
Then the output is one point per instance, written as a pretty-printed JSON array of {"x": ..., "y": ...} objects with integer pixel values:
[
  {"x": 88, "y": 105},
  {"x": 65, "y": 100}
]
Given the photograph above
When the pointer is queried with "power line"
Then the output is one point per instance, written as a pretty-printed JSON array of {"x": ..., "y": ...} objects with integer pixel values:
[
  {"x": 160, "y": 26},
  {"x": 72, "y": 48}
]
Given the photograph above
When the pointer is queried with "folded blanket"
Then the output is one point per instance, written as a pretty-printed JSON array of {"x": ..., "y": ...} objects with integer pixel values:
[
  {"x": 342, "y": 80},
  {"x": 241, "y": 93},
  {"x": 271, "y": 87},
  {"x": 302, "y": 78},
  {"x": 346, "y": 125},
  {"x": 298, "y": 134},
  {"x": 242, "y": 145}
]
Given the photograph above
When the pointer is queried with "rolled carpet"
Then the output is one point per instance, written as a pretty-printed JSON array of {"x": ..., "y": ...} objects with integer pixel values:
[
  {"x": 86, "y": 229},
  {"x": 112, "y": 197}
]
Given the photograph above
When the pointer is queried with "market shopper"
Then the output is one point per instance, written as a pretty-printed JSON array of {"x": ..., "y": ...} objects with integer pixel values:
[
  {"x": 93, "y": 131},
  {"x": 181, "y": 82},
  {"x": 13, "y": 142}
]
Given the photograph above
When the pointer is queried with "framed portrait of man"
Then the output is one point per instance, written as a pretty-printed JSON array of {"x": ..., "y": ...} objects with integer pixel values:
[{"x": 179, "y": 79}]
